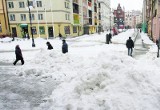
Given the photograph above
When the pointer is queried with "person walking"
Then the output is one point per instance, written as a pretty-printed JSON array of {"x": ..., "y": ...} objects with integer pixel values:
[
  {"x": 50, "y": 47},
  {"x": 64, "y": 46},
  {"x": 110, "y": 37},
  {"x": 60, "y": 36},
  {"x": 107, "y": 39},
  {"x": 130, "y": 46},
  {"x": 19, "y": 55}
]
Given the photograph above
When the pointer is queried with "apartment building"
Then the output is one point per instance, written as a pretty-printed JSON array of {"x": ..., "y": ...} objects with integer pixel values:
[
  {"x": 91, "y": 21},
  {"x": 132, "y": 18},
  {"x": 152, "y": 18},
  {"x": 119, "y": 17},
  {"x": 4, "y": 29},
  {"x": 52, "y": 17},
  {"x": 105, "y": 14},
  {"x": 48, "y": 18},
  {"x": 144, "y": 15}
]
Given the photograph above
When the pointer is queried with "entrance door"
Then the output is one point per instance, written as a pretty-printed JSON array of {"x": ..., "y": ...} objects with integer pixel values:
[
  {"x": 86, "y": 30},
  {"x": 25, "y": 30},
  {"x": 14, "y": 32},
  {"x": 50, "y": 31}
]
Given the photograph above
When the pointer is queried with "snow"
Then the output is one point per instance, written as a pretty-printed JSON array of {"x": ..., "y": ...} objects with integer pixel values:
[{"x": 92, "y": 76}]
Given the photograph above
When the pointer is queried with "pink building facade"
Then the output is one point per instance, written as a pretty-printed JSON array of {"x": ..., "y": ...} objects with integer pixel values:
[
  {"x": 156, "y": 28},
  {"x": 156, "y": 22}
]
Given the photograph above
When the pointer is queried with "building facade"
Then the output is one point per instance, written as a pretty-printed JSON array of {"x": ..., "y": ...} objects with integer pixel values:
[
  {"x": 119, "y": 17},
  {"x": 152, "y": 18},
  {"x": 51, "y": 17},
  {"x": 105, "y": 14},
  {"x": 4, "y": 28},
  {"x": 133, "y": 18},
  {"x": 144, "y": 16}
]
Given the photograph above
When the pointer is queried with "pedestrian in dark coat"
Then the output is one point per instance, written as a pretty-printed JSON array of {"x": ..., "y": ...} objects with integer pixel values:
[
  {"x": 19, "y": 55},
  {"x": 60, "y": 36},
  {"x": 110, "y": 37},
  {"x": 50, "y": 47},
  {"x": 107, "y": 39},
  {"x": 64, "y": 46},
  {"x": 130, "y": 46}
]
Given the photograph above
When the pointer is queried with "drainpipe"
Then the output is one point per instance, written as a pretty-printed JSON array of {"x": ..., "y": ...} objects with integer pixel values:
[{"x": 5, "y": 15}]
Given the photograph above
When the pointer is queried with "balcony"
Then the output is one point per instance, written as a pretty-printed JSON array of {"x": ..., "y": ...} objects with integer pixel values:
[
  {"x": 75, "y": 8},
  {"x": 76, "y": 11},
  {"x": 90, "y": 21},
  {"x": 76, "y": 19},
  {"x": 95, "y": 9},
  {"x": 90, "y": 13}
]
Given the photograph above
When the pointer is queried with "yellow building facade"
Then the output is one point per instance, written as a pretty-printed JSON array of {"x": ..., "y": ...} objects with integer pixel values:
[
  {"x": 51, "y": 17},
  {"x": 4, "y": 29}
]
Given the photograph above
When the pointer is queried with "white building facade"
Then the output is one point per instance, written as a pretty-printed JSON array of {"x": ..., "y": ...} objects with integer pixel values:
[{"x": 105, "y": 14}]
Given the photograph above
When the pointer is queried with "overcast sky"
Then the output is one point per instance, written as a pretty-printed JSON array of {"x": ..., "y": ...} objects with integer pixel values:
[{"x": 128, "y": 4}]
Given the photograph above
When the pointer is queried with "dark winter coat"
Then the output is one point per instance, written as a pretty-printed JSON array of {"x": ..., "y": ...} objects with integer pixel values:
[
  {"x": 130, "y": 43},
  {"x": 49, "y": 46},
  {"x": 110, "y": 36},
  {"x": 18, "y": 53},
  {"x": 64, "y": 47}
]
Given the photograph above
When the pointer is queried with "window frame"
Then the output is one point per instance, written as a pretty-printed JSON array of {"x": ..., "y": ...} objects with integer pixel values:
[
  {"x": 10, "y": 5},
  {"x": 40, "y": 16},
  {"x": 23, "y": 17},
  {"x": 12, "y": 17},
  {"x": 21, "y": 5}
]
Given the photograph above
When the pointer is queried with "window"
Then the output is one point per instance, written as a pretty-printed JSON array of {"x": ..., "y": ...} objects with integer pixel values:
[
  {"x": 66, "y": 5},
  {"x": 10, "y": 5},
  {"x": 39, "y": 3},
  {"x": 67, "y": 16},
  {"x": 67, "y": 30},
  {"x": 40, "y": 16},
  {"x": 21, "y": 5},
  {"x": 34, "y": 30},
  {"x": 12, "y": 17},
  {"x": 41, "y": 30},
  {"x": 23, "y": 17},
  {"x": 32, "y": 17},
  {"x": 30, "y": 3},
  {"x": 74, "y": 29}
]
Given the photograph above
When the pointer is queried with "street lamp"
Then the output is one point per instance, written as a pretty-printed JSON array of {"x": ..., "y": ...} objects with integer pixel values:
[
  {"x": 30, "y": 19},
  {"x": 59, "y": 27}
]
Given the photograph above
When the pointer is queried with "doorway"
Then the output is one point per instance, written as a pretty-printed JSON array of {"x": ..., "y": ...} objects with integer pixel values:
[
  {"x": 14, "y": 32},
  {"x": 50, "y": 31}
]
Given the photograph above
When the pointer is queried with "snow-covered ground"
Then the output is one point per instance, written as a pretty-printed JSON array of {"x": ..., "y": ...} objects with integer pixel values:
[{"x": 92, "y": 76}]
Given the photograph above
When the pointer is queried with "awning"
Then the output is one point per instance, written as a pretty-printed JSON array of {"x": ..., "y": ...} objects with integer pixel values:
[{"x": 23, "y": 25}]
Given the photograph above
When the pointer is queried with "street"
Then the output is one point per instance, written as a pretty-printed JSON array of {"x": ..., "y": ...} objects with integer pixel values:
[{"x": 19, "y": 92}]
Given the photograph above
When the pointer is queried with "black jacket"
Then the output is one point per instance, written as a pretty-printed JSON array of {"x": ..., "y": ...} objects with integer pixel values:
[
  {"x": 64, "y": 47},
  {"x": 50, "y": 47},
  {"x": 18, "y": 53},
  {"x": 130, "y": 43}
]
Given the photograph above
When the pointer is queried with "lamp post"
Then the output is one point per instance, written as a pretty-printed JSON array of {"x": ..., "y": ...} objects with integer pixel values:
[
  {"x": 59, "y": 27},
  {"x": 110, "y": 19},
  {"x": 30, "y": 19}
]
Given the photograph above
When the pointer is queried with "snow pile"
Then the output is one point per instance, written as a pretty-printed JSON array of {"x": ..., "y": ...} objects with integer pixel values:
[
  {"x": 97, "y": 82},
  {"x": 145, "y": 38},
  {"x": 6, "y": 39},
  {"x": 122, "y": 37},
  {"x": 100, "y": 84}
]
